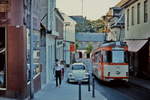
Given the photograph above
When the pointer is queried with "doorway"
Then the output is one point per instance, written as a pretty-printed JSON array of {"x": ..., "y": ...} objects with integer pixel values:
[{"x": 2, "y": 58}]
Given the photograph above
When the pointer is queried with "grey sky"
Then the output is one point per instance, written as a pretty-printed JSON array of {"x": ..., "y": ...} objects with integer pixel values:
[{"x": 93, "y": 9}]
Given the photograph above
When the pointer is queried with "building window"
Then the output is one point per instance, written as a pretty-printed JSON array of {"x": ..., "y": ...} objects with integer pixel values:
[
  {"x": 80, "y": 54},
  {"x": 128, "y": 19},
  {"x": 145, "y": 11},
  {"x": 138, "y": 13},
  {"x": 132, "y": 15},
  {"x": 88, "y": 55}
]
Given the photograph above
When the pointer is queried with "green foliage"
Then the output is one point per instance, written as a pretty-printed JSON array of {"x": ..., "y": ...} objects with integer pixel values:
[
  {"x": 77, "y": 45},
  {"x": 91, "y": 26},
  {"x": 89, "y": 48},
  {"x": 97, "y": 25}
]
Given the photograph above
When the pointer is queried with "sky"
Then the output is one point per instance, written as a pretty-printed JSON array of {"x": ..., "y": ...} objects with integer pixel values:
[{"x": 92, "y": 9}]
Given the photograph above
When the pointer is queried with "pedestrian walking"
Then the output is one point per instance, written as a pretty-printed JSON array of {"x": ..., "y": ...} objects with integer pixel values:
[
  {"x": 54, "y": 69},
  {"x": 58, "y": 74}
]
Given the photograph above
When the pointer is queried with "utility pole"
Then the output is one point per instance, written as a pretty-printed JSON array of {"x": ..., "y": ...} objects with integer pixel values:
[
  {"x": 82, "y": 15},
  {"x": 82, "y": 8},
  {"x": 31, "y": 53}
]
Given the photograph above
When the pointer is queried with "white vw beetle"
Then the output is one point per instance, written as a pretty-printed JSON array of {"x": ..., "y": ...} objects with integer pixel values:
[{"x": 78, "y": 71}]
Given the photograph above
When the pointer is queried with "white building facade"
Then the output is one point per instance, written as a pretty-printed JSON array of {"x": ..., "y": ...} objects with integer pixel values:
[
  {"x": 69, "y": 38},
  {"x": 51, "y": 41},
  {"x": 138, "y": 20}
]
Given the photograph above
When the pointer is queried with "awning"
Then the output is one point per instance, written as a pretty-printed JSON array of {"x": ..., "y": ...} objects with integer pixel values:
[{"x": 135, "y": 45}]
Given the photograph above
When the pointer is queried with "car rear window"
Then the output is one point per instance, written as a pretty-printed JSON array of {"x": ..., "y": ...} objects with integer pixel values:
[{"x": 78, "y": 67}]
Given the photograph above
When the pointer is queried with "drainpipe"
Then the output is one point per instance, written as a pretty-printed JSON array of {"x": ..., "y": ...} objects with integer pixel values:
[
  {"x": 55, "y": 47},
  {"x": 31, "y": 53}
]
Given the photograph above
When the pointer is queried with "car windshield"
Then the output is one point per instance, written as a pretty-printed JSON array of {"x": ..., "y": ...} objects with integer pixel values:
[{"x": 78, "y": 67}]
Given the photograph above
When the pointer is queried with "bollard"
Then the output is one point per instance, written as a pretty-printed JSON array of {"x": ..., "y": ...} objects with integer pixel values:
[
  {"x": 79, "y": 82},
  {"x": 89, "y": 83},
  {"x": 93, "y": 85}
]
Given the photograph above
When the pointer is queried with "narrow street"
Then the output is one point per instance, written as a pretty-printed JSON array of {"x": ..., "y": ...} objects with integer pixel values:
[{"x": 74, "y": 49}]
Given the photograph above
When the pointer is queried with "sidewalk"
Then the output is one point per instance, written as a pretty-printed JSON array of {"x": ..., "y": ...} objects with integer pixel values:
[
  {"x": 67, "y": 91},
  {"x": 140, "y": 82}
]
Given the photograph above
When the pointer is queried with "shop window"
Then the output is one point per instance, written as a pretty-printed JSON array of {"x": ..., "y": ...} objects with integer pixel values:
[{"x": 2, "y": 58}]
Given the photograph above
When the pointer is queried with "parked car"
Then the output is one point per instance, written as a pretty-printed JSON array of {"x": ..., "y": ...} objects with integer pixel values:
[{"x": 78, "y": 72}]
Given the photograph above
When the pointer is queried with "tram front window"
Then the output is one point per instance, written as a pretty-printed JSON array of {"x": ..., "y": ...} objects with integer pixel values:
[
  {"x": 118, "y": 57},
  {"x": 115, "y": 56}
]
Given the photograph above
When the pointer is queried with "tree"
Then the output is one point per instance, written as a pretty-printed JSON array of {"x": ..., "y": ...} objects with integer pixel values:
[
  {"x": 91, "y": 26},
  {"x": 97, "y": 25},
  {"x": 77, "y": 45},
  {"x": 89, "y": 48}
]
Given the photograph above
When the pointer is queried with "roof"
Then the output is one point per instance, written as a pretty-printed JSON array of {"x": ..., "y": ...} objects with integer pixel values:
[
  {"x": 135, "y": 45},
  {"x": 121, "y": 3},
  {"x": 68, "y": 19},
  {"x": 90, "y": 37},
  {"x": 130, "y": 2},
  {"x": 113, "y": 43},
  {"x": 59, "y": 14},
  {"x": 78, "y": 19}
]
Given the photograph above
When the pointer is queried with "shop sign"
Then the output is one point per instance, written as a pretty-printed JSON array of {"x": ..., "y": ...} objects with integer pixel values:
[
  {"x": 59, "y": 43},
  {"x": 72, "y": 47}
]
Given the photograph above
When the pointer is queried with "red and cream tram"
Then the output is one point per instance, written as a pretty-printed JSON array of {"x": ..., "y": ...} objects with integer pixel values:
[{"x": 110, "y": 61}]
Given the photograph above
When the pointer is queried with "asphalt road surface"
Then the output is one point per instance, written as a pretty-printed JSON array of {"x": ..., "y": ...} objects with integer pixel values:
[{"x": 119, "y": 90}]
